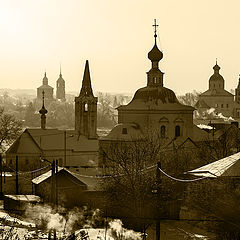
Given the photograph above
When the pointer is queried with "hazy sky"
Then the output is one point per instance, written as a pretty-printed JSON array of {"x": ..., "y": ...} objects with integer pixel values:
[{"x": 115, "y": 36}]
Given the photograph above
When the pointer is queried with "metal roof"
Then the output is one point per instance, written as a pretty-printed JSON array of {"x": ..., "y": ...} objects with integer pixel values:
[{"x": 228, "y": 166}]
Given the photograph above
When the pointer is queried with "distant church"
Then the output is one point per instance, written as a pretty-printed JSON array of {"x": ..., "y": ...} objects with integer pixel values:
[
  {"x": 48, "y": 90},
  {"x": 218, "y": 98}
]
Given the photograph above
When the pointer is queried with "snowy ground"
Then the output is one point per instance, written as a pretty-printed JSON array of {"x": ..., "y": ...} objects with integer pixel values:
[{"x": 13, "y": 228}]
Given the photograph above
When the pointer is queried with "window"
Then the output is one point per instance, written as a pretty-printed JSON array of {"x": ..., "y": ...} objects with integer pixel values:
[
  {"x": 124, "y": 131},
  {"x": 177, "y": 131},
  {"x": 221, "y": 105},
  {"x": 226, "y": 105},
  {"x": 216, "y": 105},
  {"x": 163, "y": 131},
  {"x": 10, "y": 161},
  {"x": 85, "y": 107},
  {"x": 26, "y": 161}
]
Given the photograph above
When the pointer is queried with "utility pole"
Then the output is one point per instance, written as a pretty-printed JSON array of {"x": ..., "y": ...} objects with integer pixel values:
[
  {"x": 53, "y": 184},
  {"x": 1, "y": 188},
  {"x": 17, "y": 192},
  {"x": 65, "y": 148},
  {"x": 158, "y": 180},
  {"x": 56, "y": 182}
]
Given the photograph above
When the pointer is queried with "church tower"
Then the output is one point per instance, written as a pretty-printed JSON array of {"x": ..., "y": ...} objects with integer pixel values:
[
  {"x": 237, "y": 92},
  {"x": 216, "y": 81},
  {"x": 86, "y": 108},
  {"x": 155, "y": 76},
  {"x": 60, "y": 88}
]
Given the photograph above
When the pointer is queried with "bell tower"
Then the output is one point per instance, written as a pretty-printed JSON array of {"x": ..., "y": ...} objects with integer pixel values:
[{"x": 86, "y": 108}]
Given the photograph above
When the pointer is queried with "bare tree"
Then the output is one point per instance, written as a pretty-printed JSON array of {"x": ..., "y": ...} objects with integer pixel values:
[{"x": 10, "y": 129}]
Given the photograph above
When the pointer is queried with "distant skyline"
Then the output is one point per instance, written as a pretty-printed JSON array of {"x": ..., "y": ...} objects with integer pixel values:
[{"x": 116, "y": 36}]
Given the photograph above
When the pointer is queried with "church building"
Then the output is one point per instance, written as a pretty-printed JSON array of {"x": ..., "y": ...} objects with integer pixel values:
[
  {"x": 216, "y": 96},
  {"x": 154, "y": 108},
  {"x": 48, "y": 90}
]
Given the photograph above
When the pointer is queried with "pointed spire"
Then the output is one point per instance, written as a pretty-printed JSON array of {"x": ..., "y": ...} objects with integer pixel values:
[
  {"x": 60, "y": 75},
  {"x": 43, "y": 111},
  {"x": 86, "y": 89}
]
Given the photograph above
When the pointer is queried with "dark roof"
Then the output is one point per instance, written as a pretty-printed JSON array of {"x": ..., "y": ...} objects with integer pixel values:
[
  {"x": 216, "y": 92},
  {"x": 155, "y": 98},
  {"x": 90, "y": 181}
]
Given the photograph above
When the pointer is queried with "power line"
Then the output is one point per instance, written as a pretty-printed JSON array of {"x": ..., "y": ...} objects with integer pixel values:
[{"x": 181, "y": 180}]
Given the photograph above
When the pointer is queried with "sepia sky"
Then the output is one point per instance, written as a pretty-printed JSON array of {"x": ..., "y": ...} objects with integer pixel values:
[{"x": 115, "y": 36}]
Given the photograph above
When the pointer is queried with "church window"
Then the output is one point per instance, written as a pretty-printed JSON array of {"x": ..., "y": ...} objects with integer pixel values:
[
  {"x": 124, "y": 131},
  {"x": 177, "y": 131},
  {"x": 163, "y": 131},
  {"x": 85, "y": 107}
]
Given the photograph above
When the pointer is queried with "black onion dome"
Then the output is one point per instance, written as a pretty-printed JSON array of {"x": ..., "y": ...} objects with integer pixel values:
[
  {"x": 43, "y": 110},
  {"x": 216, "y": 77},
  {"x": 216, "y": 68},
  {"x": 160, "y": 94},
  {"x": 155, "y": 54}
]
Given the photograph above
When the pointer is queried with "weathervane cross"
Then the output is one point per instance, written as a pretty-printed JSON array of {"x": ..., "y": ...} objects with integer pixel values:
[{"x": 155, "y": 29}]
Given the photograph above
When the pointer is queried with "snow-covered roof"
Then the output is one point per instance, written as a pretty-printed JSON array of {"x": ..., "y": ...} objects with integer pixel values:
[
  {"x": 228, "y": 166},
  {"x": 27, "y": 198},
  {"x": 44, "y": 176}
]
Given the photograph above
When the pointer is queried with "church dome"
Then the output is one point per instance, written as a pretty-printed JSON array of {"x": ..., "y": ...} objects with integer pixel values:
[
  {"x": 160, "y": 95},
  {"x": 216, "y": 75},
  {"x": 155, "y": 55}
]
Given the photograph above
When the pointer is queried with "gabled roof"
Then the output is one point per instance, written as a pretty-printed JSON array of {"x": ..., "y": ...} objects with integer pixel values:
[
  {"x": 228, "y": 166},
  {"x": 25, "y": 144},
  {"x": 52, "y": 139},
  {"x": 89, "y": 181}
]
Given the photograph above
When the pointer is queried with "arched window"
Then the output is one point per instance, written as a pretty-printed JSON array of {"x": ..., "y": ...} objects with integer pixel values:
[
  {"x": 85, "y": 107},
  {"x": 177, "y": 131},
  {"x": 163, "y": 131}
]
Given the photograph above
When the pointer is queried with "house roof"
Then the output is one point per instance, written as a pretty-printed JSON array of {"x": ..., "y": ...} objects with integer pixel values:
[
  {"x": 52, "y": 139},
  {"x": 228, "y": 166},
  {"x": 26, "y": 198},
  {"x": 90, "y": 181}
]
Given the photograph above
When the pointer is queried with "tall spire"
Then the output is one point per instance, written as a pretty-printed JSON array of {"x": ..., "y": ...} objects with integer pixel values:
[
  {"x": 86, "y": 89},
  {"x": 43, "y": 111}
]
